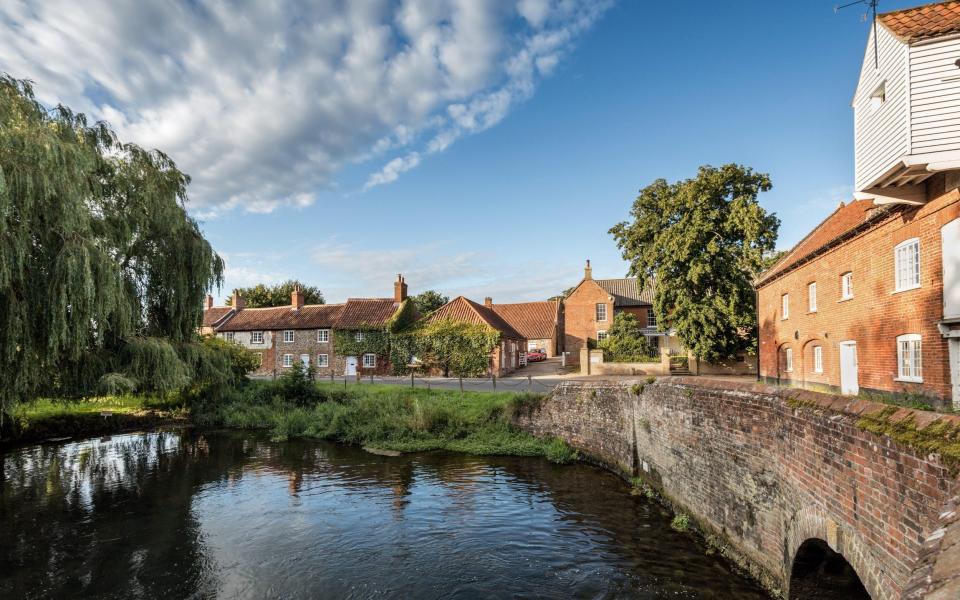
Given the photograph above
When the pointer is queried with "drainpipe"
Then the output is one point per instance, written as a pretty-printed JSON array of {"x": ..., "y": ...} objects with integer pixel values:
[{"x": 756, "y": 308}]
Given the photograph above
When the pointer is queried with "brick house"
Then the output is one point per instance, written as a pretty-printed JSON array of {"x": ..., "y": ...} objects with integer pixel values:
[
  {"x": 281, "y": 335},
  {"x": 870, "y": 299},
  {"x": 505, "y": 358},
  {"x": 589, "y": 310},
  {"x": 541, "y": 323}
]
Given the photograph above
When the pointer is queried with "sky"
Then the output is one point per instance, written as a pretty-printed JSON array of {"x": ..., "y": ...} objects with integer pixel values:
[{"x": 479, "y": 148}]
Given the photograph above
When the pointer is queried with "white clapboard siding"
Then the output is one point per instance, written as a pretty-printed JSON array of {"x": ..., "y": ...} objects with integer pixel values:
[
  {"x": 935, "y": 96},
  {"x": 881, "y": 135}
]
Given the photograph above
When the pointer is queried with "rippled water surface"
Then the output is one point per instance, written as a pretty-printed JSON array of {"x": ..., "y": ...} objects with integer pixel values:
[{"x": 180, "y": 514}]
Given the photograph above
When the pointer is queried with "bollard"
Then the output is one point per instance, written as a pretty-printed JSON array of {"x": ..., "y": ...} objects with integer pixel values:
[
  {"x": 529, "y": 383},
  {"x": 461, "y": 384},
  {"x": 411, "y": 379},
  {"x": 331, "y": 375},
  {"x": 371, "y": 377},
  {"x": 494, "y": 378}
]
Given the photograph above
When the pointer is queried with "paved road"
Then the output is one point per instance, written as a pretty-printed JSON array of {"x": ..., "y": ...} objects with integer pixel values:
[{"x": 503, "y": 384}]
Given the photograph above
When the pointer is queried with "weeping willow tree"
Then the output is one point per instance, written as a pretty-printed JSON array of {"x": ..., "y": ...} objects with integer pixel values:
[{"x": 101, "y": 268}]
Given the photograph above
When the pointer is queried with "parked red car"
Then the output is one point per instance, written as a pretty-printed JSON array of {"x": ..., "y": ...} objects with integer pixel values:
[{"x": 536, "y": 356}]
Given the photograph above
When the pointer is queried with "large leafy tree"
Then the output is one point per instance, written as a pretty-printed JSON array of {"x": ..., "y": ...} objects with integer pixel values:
[
  {"x": 429, "y": 301},
  {"x": 626, "y": 341},
  {"x": 263, "y": 296},
  {"x": 98, "y": 257},
  {"x": 703, "y": 240}
]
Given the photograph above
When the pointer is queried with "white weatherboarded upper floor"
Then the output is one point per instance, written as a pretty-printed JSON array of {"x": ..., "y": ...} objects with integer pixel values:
[{"x": 907, "y": 103}]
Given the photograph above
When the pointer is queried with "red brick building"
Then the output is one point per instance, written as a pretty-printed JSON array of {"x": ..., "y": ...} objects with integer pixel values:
[
  {"x": 858, "y": 305},
  {"x": 281, "y": 335},
  {"x": 505, "y": 358},
  {"x": 869, "y": 301},
  {"x": 541, "y": 323},
  {"x": 588, "y": 311}
]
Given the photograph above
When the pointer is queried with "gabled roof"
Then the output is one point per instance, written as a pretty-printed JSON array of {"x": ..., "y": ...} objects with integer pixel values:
[
  {"x": 465, "y": 310},
  {"x": 627, "y": 291},
  {"x": 922, "y": 22},
  {"x": 532, "y": 320},
  {"x": 310, "y": 316},
  {"x": 366, "y": 312},
  {"x": 846, "y": 220},
  {"x": 213, "y": 315}
]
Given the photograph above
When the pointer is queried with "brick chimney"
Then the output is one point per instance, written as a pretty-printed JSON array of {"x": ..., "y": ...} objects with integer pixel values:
[
  {"x": 488, "y": 302},
  {"x": 296, "y": 298},
  {"x": 399, "y": 289},
  {"x": 238, "y": 301},
  {"x": 209, "y": 303},
  {"x": 588, "y": 271}
]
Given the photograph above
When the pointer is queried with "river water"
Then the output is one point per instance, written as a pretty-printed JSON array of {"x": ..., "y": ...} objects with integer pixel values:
[{"x": 184, "y": 514}]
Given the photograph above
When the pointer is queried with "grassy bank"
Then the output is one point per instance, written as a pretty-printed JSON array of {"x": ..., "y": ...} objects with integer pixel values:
[
  {"x": 46, "y": 418},
  {"x": 389, "y": 418}
]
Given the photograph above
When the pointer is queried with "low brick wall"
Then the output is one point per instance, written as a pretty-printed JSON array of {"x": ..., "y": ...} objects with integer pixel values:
[
  {"x": 624, "y": 368},
  {"x": 766, "y": 469}
]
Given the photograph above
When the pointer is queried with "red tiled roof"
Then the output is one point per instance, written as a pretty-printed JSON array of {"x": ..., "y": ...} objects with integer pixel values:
[
  {"x": 843, "y": 220},
  {"x": 466, "y": 310},
  {"x": 532, "y": 320},
  {"x": 311, "y": 316},
  {"x": 362, "y": 312},
  {"x": 213, "y": 314},
  {"x": 921, "y": 22}
]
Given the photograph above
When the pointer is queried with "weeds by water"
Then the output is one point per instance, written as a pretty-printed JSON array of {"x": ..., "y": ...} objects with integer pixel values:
[{"x": 391, "y": 418}]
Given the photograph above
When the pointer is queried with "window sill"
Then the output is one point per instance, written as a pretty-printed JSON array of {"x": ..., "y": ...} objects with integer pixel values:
[
  {"x": 811, "y": 312},
  {"x": 907, "y": 289},
  {"x": 908, "y": 379},
  {"x": 848, "y": 298}
]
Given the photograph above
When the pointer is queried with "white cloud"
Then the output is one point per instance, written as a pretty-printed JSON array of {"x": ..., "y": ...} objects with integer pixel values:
[{"x": 263, "y": 103}]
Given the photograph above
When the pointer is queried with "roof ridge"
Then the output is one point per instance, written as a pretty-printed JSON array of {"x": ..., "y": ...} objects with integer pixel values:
[{"x": 917, "y": 7}]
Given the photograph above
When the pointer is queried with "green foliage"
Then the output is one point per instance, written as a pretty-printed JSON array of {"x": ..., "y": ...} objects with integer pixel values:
[
  {"x": 703, "y": 240},
  {"x": 116, "y": 384},
  {"x": 429, "y": 301},
  {"x": 405, "y": 317},
  {"x": 263, "y": 296},
  {"x": 389, "y": 418},
  {"x": 452, "y": 347},
  {"x": 96, "y": 249},
  {"x": 681, "y": 522},
  {"x": 941, "y": 436},
  {"x": 375, "y": 340},
  {"x": 296, "y": 385},
  {"x": 562, "y": 295},
  {"x": 626, "y": 343}
]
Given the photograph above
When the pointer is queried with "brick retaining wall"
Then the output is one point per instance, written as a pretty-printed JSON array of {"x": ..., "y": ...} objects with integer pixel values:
[{"x": 765, "y": 469}]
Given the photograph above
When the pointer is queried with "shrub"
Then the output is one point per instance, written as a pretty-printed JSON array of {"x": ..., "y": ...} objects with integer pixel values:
[
  {"x": 297, "y": 385},
  {"x": 681, "y": 522},
  {"x": 116, "y": 384}
]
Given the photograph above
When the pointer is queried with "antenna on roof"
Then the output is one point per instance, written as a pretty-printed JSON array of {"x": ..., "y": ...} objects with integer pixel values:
[{"x": 872, "y": 5}]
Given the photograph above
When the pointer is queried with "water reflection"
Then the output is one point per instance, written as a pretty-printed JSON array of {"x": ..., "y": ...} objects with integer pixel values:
[{"x": 191, "y": 515}]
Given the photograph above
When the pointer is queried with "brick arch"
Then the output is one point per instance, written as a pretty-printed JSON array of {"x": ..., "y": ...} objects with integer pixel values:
[
  {"x": 812, "y": 523},
  {"x": 781, "y": 360},
  {"x": 805, "y": 366}
]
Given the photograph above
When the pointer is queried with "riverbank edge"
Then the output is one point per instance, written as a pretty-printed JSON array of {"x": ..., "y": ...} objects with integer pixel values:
[{"x": 75, "y": 426}]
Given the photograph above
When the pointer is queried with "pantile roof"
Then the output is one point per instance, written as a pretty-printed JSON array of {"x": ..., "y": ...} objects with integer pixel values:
[
  {"x": 846, "y": 219},
  {"x": 310, "y": 316},
  {"x": 532, "y": 320},
  {"x": 466, "y": 310},
  {"x": 212, "y": 315},
  {"x": 627, "y": 291},
  {"x": 363, "y": 312},
  {"x": 922, "y": 22}
]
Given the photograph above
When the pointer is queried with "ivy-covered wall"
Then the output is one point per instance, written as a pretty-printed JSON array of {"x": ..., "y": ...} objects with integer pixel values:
[{"x": 448, "y": 347}]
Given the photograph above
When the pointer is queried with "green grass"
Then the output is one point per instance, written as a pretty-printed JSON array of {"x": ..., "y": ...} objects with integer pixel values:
[
  {"x": 391, "y": 418},
  {"x": 44, "y": 408}
]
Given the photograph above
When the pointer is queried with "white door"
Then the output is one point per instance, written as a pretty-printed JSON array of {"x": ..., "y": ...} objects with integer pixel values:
[
  {"x": 848, "y": 368},
  {"x": 955, "y": 371},
  {"x": 351, "y": 366},
  {"x": 305, "y": 360}
]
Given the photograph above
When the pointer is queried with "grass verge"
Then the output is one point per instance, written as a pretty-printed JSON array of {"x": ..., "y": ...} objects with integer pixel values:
[{"x": 390, "y": 418}]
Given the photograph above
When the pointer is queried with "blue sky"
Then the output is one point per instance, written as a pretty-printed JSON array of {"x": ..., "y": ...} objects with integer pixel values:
[{"x": 491, "y": 163}]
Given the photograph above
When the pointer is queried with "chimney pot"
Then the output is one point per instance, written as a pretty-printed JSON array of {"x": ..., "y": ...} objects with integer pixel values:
[
  {"x": 588, "y": 271},
  {"x": 488, "y": 302},
  {"x": 296, "y": 298},
  {"x": 209, "y": 303},
  {"x": 238, "y": 300}
]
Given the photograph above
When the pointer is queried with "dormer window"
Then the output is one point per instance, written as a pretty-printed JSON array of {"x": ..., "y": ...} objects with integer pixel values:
[{"x": 878, "y": 97}]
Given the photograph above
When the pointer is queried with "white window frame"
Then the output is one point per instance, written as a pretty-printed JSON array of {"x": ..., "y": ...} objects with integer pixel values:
[
  {"x": 358, "y": 336},
  {"x": 229, "y": 336},
  {"x": 784, "y": 307},
  {"x": 287, "y": 361},
  {"x": 601, "y": 310},
  {"x": 900, "y": 277},
  {"x": 601, "y": 335},
  {"x": 812, "y": 297},
  {"x": 256, "y": 337},
  {"x": 846, "y": 285},
  {"x": 788, "y": 360},
  {"x": 323, "y": 360},
  {"x": 909, "y": 361},
  {"x": 651, "y": 318},
  {"x": 291, "y": 337},
  {"x": 818, "y": 359},
  {"x": 323, "y": 336},
  {"x": 372, "y": 362}
]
